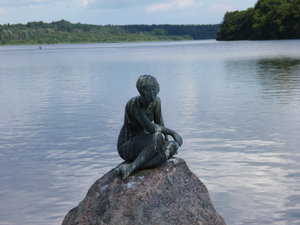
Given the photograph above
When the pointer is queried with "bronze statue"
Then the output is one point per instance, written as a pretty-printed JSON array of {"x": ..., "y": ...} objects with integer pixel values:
[{"x": 143, "y": 140}]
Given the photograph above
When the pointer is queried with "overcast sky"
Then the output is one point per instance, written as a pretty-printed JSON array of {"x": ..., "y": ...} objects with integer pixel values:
[{"x": 120, "y": 11}]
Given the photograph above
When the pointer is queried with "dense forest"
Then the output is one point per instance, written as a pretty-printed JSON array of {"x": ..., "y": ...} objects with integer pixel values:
[
  {"x": 65, "y": 32},
  {"x": 269, "y": 19}
]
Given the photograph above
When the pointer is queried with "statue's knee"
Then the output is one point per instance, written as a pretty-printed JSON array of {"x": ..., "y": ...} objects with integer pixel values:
[{"x": 159, "y": 137}]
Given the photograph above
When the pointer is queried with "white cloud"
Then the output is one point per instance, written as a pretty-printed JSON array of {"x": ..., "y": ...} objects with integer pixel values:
[
  {"x": 174, "y": 4},
  {"x": 115, "y": 4},
  {"x": 85, "y": 3},
  {"x": 22, "y": 3},
  {"x": 120, "y": 11},
  {"x": 158, "y": 7},
  {"x": 221, "y": 8},
  {"x": 184, "y": 3},
  {"x": 2, "y": 11}
]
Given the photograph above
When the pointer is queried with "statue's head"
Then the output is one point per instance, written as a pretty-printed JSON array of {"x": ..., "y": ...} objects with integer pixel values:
[{"x": 148, "y": 87}]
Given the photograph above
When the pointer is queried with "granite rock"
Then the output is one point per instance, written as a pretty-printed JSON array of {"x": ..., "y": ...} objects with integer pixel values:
[{"x": 167, "y": 195}]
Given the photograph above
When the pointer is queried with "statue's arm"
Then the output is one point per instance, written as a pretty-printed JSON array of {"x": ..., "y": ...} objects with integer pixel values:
[
  {"x": 140, "y": 115},
  {"x": 158, "y": 119}
]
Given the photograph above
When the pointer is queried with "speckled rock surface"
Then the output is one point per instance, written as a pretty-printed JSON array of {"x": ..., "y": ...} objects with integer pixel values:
[{"x": 168, "y": 195}]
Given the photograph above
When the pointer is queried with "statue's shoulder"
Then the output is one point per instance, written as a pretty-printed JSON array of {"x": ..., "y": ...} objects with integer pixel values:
[
  {"x": 157, "y": 100},
  {"x": 133, "y": 102}
]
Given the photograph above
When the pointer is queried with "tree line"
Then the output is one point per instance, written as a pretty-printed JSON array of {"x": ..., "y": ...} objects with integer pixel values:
[
  {"x": 65, "y": 32},
  {"x": 268, "y": 19}
]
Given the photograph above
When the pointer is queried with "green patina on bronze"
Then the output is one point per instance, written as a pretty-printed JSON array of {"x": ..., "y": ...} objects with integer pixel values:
[{"x": 143, "y": 140}]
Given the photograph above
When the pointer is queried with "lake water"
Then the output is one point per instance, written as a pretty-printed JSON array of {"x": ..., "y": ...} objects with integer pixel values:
[{"x": 236, "y": 105}]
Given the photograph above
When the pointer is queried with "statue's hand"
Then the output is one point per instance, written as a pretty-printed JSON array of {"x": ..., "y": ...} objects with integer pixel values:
[{"x": 177, "y": 138}]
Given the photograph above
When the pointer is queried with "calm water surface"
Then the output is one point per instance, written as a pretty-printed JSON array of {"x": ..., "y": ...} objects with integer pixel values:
[{"x": 236, "y": 104}]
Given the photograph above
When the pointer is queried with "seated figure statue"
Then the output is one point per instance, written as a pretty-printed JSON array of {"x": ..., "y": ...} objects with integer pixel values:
[{"x": 143, "y": 140}]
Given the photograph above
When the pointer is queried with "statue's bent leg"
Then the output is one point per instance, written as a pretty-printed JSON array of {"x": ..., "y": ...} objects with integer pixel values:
[
  {"x": 140, "y": 151},
  {"x": 168, "y": 150}
]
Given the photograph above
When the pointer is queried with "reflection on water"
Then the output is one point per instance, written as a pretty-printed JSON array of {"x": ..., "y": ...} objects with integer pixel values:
[
  {"x": 254, "y": 152},
  {"x": 279, "y": 65},
  {"x": 236, "y": 105}
]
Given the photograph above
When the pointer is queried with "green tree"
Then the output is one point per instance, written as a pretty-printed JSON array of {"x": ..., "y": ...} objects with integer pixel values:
[
  {"x": 269, "y": 19},
  {"x": 237, "y": 25}
]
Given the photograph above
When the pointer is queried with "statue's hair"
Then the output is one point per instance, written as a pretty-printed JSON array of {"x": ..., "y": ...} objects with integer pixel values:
[{"x": 145, "y": 80}]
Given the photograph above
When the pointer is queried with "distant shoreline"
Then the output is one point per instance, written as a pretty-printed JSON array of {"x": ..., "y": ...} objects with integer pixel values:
[
  {"x": 64, "y": 32},
  {"x": 68, "y": 43}
]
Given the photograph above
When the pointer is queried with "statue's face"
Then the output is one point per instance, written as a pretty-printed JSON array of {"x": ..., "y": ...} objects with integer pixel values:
[{"x": 149, "y": 93}]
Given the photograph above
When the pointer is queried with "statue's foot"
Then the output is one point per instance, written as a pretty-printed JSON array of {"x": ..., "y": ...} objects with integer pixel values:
[{"x": 124, "y": 171}]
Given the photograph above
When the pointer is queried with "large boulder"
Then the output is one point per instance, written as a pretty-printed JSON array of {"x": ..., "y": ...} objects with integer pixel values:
[{"x": 167, "y": 195}]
